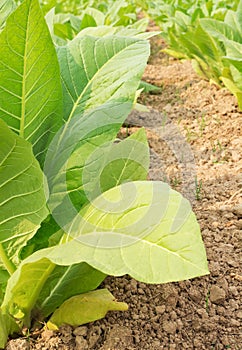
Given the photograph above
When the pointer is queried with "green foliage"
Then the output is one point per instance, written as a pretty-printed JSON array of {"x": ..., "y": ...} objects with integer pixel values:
[
  {"x": 228, "y": 36},
  {"x": 30, "y": 81},
  {"x": 163, "y": 12},
  {"x": 6, "y": 7},
  {"x": 207, "y": 32},
  {"x": 7, "y": 326},
  {"x": 75, "y": 205},
  {"x": 84, "y": 308},
  {"x": 65, "y": 26},
  {"x": 22, "y": 195}
]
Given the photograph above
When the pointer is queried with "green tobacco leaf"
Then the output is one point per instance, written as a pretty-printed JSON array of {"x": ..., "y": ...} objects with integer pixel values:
[
  {"x": 100, "y": 76},
  {"x": 234, "y": 58},
  {"x": 207, "y": 45},
  {"x": 69, "y": 151},
  {"x": 84, "y": 308},
  {"x": 97, "y": 70},
  {"x": 20, "y": 298},
  {"x": 4, "y": 276},
  {"x": 234, "y": 19},
  {"x": 30, "y": 88},
  {"x": 43, "y": 286},
  {"x": 235, "y": 70},
  {"x": 141, "y": 24},
  {"x": 103, "y": 31},
  {"x": 143, "y": 229},
  {"x": 108, "y": 165},
  {"x": 88, "y": 21},
  {"x": 50, "y": 18},
  {"x": 6, "y": 7},
  {"x": 63, "y": 25},
  {"x": 48, "y": 234},
  {"x": 205, "y": 49},
  {"x": 95, "y": 18},
  {"x": 124, "y": 161},
  {"x": 7, "y": 326},
  {"x": 236, "y": 62},
  {"x": 100, "y": 31},
  {"x": 65, "y": 282},
  {"x": 220, "y": 30},
  {"x": 236, "y": 91},
  {"x": 233, "y": 49},
  {"x": 23, "y": 203},
  {"x": 149, "y": 87}
]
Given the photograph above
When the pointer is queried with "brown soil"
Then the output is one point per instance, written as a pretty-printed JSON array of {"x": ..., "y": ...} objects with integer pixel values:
[{"x": 203, "y": 313}]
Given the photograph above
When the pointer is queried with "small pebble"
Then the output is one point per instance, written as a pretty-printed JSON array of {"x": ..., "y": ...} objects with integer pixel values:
[
  {"x": 80, "y": 331},
  {"x": 160, "y": 309},
  {"x": 237, "y": 210},
  {"x": 169, "y": 327},
  {"x": 217, "y": 295},
  {"x": 239, "y": 314},
  {"x": 81, "y": 343}
]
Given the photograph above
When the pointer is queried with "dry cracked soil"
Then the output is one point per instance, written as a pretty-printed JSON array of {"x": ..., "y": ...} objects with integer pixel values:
[{"x": 194, "y": 132}]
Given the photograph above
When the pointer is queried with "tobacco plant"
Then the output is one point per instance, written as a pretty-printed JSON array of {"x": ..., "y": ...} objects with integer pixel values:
[
  {"x": 207, "y": 32},
  {"x": 75, "y": 203}
]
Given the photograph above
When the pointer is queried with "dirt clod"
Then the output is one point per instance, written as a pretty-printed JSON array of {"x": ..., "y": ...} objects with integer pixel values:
[
  {"x": 80, "y": 331},
  {"x": 81, "y": 343},
  {"x": 18, "y": 344},
  {"x": 169, "y": 327},
  {"x": 160, "y": 309},
  {"x": 237, "y": 210},
  {"x": 217, "y": 295}
]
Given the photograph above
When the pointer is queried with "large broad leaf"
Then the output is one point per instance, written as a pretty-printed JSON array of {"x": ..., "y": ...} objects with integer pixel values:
[
  {"x": 30, "y": 89},
  {"x": 234, "y": 19},
  {"x": 143, "y": 229},
  {"x": 64, "y": 27},
  {"x": 97, "y": 70},
  {"x": 43, "y": 287},
  {"x": 84, "y": 308},
  {"x": 201, "y": 46},
  {"x": 22, "y": 197},
  {"x": 65, "y": 282},
  {"x": 102, "y": 31},
  {"x": 115, "y": 163},
  {"x": 24, "y": 294},
  {"x": 99, "y": 77},
  {"x": 95, "y": 167},
  {"x": 90, "y": 131},
  {"x": 234, "y": 57},
  {"x": 61, "y": 276},
  {"x": 7, "y": 326},
  {"x": 233, "y": 49},
  {"x": 220, "y": 30}
]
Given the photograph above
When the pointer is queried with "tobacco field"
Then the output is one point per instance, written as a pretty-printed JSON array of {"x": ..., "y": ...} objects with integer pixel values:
[{"x": 120, "y": 174}]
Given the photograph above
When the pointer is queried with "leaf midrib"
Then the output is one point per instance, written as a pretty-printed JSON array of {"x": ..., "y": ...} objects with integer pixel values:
[
  {"x": 23, "y": 105},
  {"x": 75, "y": 105},
  {"x": 53, "y": 290}
]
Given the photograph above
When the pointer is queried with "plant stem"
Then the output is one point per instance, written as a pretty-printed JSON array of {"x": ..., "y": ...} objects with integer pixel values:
[{"x": 10, "y": 267}]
